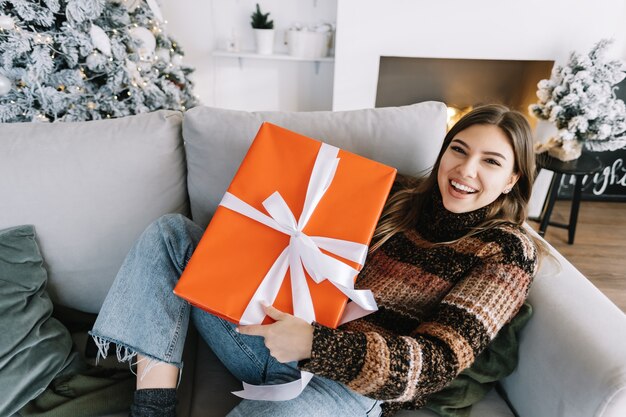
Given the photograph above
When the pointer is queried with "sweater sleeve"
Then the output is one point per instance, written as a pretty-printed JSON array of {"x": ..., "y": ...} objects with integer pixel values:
[{"x": 399, "y": 368}]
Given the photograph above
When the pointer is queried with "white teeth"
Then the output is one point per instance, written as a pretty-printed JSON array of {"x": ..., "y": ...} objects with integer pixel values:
[{"x": 462, "y": 187}]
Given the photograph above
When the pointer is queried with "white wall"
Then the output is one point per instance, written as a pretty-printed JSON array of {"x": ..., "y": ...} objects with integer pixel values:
[
  {"x": 488, "y": 29},
  {"x": 201, "y": 26}
]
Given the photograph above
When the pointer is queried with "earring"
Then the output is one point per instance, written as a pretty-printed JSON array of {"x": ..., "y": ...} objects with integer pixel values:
[{"x": 506, "y": 191}]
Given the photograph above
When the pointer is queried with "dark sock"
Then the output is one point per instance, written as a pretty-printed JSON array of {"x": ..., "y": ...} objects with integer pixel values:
[{"x": 154, "y": 402}]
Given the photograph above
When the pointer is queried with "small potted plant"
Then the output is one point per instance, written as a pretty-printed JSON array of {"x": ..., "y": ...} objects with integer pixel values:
[{"x": 263, "y": 31}]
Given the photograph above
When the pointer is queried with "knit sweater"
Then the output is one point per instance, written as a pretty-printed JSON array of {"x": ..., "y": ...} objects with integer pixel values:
[{"x": 439, "y": 307}]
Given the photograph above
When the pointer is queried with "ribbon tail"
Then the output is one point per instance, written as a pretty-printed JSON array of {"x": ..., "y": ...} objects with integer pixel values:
[
  {"x": 354, "y": 311},
  {"x": 281, "y": 392},
  {"x": 353, "y": 251},
  {"x": 363, "y": 303},
  {"x": 267, "y": 291},
  {"x": 301, "y": 296},
  {"x": 321, "y": 266}
]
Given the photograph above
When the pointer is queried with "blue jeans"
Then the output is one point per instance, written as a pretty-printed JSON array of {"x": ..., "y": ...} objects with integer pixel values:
[{"x": 142, "y": 315}]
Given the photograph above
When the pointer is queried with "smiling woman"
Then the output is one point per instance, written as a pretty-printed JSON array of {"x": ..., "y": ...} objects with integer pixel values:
[
  {"x": 477, "y": 167},
  {"x": 451, "y": 265}
]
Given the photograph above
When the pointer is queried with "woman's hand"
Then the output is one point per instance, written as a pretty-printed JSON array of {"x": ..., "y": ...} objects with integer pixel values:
[{"x": 288, "y": 339}]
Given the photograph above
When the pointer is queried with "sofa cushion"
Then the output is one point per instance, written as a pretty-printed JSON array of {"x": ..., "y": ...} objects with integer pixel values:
[
  {"x": 90, "y": 188},
  {"x": 34, "y": 347},
  {"x": 216, "y": 140}
]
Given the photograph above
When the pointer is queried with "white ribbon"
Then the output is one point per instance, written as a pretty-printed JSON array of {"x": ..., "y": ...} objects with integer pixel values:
[{"x": 302, "y": 251}]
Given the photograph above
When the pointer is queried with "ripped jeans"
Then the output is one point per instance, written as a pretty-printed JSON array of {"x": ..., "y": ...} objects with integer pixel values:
[{"x": 142, "y": 315}]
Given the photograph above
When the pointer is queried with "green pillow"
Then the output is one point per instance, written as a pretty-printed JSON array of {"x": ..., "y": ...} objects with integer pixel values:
[
  {"x": 497, "y": 361},
  {"x": 33, "y": 346}
]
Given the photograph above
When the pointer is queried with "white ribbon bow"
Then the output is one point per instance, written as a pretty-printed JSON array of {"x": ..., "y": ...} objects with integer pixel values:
[{"x": 302, "y": 251}]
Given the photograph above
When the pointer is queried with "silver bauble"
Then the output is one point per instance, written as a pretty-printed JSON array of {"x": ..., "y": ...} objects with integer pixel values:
[{"x": 5, "y": 85}]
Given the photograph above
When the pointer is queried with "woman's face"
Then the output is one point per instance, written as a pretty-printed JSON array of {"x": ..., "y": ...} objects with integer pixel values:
[{"x": 476, "y": 168}]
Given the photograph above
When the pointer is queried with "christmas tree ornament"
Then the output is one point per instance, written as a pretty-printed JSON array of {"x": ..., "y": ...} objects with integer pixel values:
[
  {"x": 100, "y": 39},
  {"x": 40, "y": 118},
  {"x": 5, "y": 85},
  {"x": 133, "y": 72},
  {"x": 96, "y": 62},
  {"x": 6, "y": 22},
  {"x": 130, "y": 5},
  {"x": 146, "y": 39},
  {"x": 163, "y": 54},
  {"x": 177, "y": 59}
]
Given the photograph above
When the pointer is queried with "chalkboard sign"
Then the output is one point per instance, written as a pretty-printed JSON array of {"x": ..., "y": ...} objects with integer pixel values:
[{"x": 608, "y": 184}]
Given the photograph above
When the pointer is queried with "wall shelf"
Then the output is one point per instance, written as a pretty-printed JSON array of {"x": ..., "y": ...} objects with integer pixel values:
[{"x": 276, "y": 56}]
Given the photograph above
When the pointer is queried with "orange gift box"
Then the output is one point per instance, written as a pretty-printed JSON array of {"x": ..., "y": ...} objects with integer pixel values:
[{"x": 236, "y": 252}]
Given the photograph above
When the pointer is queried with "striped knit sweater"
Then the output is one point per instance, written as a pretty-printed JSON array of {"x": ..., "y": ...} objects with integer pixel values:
[{"x": 439, "y": 307}]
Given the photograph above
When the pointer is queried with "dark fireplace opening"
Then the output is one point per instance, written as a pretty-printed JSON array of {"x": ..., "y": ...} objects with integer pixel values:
[{"x": 460, "y": 83}]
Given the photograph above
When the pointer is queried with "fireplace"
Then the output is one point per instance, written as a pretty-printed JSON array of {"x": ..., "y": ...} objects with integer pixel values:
[{"x": 460, "y": 83}]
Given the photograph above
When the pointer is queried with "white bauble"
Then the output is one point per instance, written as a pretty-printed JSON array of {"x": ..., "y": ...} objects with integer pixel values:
[
  {"x": 147, "y": 40},
  {"x": 5, "y": 85},
  {"x": 133, "y": 72},
  {"x": 130, "y": 5},
  {"x": 6, "y": 22},
  {"x": 145, "y": 66},
  {"x": 41, "y": 118},
  {"x": 96, "y": 62},
  {"x": 177, "y": 60},
  {"x": 100, "y": 39},
  {"x": 163, "y": 54}
]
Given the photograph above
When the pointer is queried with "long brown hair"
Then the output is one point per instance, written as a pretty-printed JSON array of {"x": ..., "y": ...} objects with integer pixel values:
[{"x": 403, "y": 207}]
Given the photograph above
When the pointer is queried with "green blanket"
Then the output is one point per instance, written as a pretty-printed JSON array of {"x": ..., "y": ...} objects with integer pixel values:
[
  {"x": 93, "y": 392},
  {"x": 497, "y": 361}
]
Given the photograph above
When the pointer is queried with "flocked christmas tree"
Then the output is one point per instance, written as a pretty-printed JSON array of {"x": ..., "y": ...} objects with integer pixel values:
[
  {"x": 579, "y": 98},
  {"x": 73, "y": 60}
]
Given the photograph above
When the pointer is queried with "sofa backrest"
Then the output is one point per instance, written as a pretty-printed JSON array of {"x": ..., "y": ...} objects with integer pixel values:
[
  {"x": 90, "y": 189},
  {"x": 216, "y": 140}
]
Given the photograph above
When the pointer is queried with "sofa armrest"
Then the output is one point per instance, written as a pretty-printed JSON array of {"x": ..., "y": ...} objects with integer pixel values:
[{"x": 573, "y": 351}]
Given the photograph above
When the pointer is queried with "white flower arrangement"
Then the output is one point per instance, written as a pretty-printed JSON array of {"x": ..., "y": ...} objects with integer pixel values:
[{"x": 579, "y": 99}]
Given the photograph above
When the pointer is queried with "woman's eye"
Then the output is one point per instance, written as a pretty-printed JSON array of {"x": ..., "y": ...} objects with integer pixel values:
[
  {"x": 493, "y": 162},
  {"x": 457, "y": 149}
]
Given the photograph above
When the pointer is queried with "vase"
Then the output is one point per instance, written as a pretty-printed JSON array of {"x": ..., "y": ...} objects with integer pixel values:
[
  {"x": 567, "y": 150},
  {"x": 264, "y": 41}
]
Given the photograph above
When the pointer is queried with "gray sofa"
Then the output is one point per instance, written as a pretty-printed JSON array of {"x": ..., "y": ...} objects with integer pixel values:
[{"x": 91, "y": 188}]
